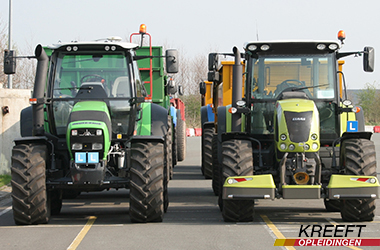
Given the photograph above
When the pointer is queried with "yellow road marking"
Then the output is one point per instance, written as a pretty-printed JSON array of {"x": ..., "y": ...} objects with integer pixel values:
[
  {"x": 82, "y": 233},
  {"x": 274, "y": 229}
]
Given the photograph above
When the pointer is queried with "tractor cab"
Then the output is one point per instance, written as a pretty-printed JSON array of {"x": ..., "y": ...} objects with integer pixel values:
[
  {"x": 292, "y": 70},
  {"x": 102, "y": 71}
]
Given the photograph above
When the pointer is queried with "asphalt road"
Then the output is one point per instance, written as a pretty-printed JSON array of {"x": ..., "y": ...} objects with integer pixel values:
[{"x": 193, "y": 220}]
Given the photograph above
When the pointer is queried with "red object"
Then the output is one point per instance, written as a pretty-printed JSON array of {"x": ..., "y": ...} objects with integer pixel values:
[
  {"x": 376, "y": 129},
  {"x": 362, "y": 179},
  {"x": 198, "y": 132},
  {"x": 179, "y": 104}
]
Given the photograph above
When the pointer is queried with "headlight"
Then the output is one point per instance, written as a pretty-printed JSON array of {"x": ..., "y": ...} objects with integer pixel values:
[
  {"x": 240, "y": 103},
  {"x": 283, "y": 137},
  {"x": 314, "y": 146},
  {"x": 77, "y": 146},
  {"x": 74, "y": 132},
  {"x": 252, "y": 47},
  {"x": 97, "y": 146},
  {"x": 292, "y": 147},
  {"x": 333, "y": 46},
  {"x": 306, "y": 147},
  {"x": 264, "y": 47},
  {"x": 321, "y": 46},
  {"x": 99, "y": 132},
  {"x": 347, "y": 102},
  {"x": 282, "y": 146}
]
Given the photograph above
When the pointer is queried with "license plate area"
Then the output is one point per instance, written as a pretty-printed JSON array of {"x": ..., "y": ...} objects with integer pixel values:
[{"x": 86, "y": 157}]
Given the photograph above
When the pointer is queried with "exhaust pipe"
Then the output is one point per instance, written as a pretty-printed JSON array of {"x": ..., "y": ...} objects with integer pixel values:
[
  {"x": 39, "y": 89},
  {"x": 237, "y": 86}
]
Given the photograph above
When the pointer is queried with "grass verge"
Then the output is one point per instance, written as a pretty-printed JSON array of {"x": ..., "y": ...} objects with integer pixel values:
[{"x": 5, "y": 179}]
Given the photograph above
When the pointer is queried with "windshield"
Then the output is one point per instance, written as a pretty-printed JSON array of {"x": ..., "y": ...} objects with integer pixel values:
[
  {"x": 273, "y": 74},
  {"x": 269, "y": 76},
  {"x": 92, "y": 75}
]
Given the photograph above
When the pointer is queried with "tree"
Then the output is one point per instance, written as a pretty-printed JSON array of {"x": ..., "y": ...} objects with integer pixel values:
[{"x": 369, "y": 100}]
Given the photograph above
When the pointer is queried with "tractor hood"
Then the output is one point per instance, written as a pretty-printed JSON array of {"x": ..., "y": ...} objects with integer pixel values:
[{"x": 89, "y": 128}]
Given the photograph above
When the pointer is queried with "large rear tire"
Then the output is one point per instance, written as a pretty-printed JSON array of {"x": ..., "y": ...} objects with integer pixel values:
[
  {"x": 146, "y": 186},
  {"x": 30, "y": 205},
  {"x": 358, "y": 156},
  {"x": 207, "y": 151},
  {"x": 181, "y": 137},
  {"x": 237, "y": 160}
]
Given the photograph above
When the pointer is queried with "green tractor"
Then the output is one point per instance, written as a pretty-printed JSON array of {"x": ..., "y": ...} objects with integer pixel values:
[
  {"x": 294, "y": 135},
  {"x": 90, "y": 129}
]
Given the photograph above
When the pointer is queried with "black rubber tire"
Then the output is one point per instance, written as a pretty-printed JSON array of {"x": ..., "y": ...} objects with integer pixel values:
[
  {"x": 208, "y": 133},
  {"x": 215, "y": 166},
  {"x": 168, "y": 148},
  {"x": 29, "y": 193},
  {"x": 174, "y": 147},
  {"x": 332, "y": 205},
  {"x": 181, "y": 137},
  {"x": 358, "y": 156},
  {"x": 237, "y": 160},
  {"x": 168, "y": 163},
  {"x": 146, "y": 202}
]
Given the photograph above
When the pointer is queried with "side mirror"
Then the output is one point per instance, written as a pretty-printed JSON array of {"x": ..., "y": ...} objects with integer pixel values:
[
  {"x": 171, "y": 87},
  {"x": 171, "y": 56},
  {"x": 9, "y": 62},
  {"x": 213, "y": 61},
  {"x": 202, "y": 88},
  {"x": 369, "y": 59},
  {"x": 180, "y": 89}
]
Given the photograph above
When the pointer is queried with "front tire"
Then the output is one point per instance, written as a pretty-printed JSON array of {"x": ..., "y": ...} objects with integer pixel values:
[
  {"x": 358, "y": 156},
  {"x": 147, "y": 178},
  {"x": 237, "y": 160},
  {"x": 30, "y": 205}
]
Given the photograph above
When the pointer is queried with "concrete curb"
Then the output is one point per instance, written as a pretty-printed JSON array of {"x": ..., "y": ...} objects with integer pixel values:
[{"x": 5, "y": 192}]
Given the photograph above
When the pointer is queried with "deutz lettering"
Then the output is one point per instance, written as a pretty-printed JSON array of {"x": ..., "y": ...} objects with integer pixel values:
[{"x": 331, "y": 231}]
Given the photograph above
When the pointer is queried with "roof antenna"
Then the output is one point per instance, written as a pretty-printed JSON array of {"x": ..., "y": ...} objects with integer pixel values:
[{"x": 257, "y": 32}]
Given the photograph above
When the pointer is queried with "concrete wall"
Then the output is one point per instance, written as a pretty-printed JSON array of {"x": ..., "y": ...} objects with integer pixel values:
[{"x": 16, "y": 100}]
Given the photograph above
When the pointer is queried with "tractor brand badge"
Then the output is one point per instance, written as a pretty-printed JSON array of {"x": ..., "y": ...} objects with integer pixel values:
[{"x": 298, "y": 119}]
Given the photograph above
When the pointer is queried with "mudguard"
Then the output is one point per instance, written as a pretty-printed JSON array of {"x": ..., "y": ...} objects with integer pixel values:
[
  {"x": 153, "y": 122},
  {"x": 26, "y": 122}
]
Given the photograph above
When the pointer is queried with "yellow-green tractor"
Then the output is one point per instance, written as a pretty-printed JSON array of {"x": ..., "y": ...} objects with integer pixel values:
[{"x": 293, "y": 135}]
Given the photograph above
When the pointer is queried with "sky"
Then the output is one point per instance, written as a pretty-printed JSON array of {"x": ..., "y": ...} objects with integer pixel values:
[{"x": 198, "y": 27}]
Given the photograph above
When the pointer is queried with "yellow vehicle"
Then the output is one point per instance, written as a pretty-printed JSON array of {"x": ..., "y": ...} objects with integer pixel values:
[{"x": 216, "y": 92}]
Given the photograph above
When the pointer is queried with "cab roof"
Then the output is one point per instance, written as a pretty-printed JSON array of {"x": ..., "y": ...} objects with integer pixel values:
[
  {"x": 112, "y": 41},
  {"x": 290, "y": 47}
]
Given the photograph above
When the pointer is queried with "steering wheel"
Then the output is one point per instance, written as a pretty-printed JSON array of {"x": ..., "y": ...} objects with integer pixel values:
[
  {"x": 285, "y": 85},
  {"x": 102, "y": 80}
]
